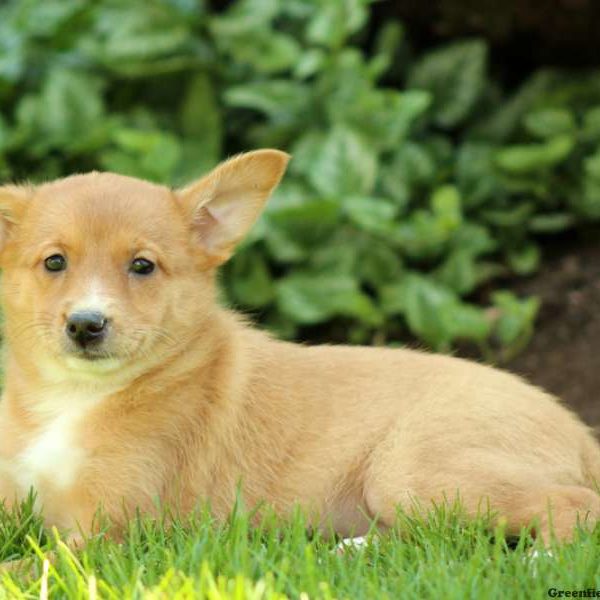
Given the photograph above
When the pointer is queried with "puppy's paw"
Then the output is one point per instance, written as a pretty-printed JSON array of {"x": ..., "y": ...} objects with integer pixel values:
[{"x": 354, "y": 543}]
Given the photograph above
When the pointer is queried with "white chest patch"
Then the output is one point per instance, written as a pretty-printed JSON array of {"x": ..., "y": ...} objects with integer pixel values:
[{"x": 54, "y": 454}]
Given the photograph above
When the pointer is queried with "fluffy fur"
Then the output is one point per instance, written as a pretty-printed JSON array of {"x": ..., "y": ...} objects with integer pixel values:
[{"x": 187, "y": 402}]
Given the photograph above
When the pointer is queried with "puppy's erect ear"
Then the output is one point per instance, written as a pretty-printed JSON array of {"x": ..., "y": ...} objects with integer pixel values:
[
  {"x": 224, "y": 204},
  {"x": 13, "y": 201}
]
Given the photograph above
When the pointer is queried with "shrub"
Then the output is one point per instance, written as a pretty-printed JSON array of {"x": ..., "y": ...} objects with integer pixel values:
[{"x": 414, "y": 179}]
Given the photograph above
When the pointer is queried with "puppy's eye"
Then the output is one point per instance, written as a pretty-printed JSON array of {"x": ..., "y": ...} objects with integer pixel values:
[
  {"x": 142, "y": 266},
  {"x": 56, "y": 262}
]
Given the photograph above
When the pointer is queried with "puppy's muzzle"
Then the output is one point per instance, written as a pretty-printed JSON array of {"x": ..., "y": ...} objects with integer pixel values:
[{"x": 87, "y": 328}]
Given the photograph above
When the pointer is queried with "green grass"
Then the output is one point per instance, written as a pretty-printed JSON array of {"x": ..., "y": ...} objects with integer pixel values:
[{"x": 199, "y": 558}]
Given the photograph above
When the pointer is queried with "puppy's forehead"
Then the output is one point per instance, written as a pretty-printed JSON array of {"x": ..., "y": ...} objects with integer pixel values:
[
  {"x": 106, "y": 190},
  {"x": 101, "y": 203}
]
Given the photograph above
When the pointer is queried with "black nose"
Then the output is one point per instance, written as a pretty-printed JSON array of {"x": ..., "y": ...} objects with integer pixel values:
[{"x": 86, "y": 327}]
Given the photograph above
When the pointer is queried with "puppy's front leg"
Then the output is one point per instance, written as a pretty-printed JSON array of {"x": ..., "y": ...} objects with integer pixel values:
[
  {"x": 10, "y": 493},
  {"x": 70, "y": 540}
]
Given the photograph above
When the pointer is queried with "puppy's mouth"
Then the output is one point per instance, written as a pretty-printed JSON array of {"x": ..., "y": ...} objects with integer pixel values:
[
  {"x": 93, "y": 362},
  {"x": 92, "y": 354},
  {"x": 88, "y": 353}
]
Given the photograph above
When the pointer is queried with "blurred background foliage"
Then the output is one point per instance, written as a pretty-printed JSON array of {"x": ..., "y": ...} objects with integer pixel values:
[{"x": 416, "y": 178}]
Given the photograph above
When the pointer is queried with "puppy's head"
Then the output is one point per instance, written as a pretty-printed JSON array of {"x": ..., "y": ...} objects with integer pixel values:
[{"x": 102, "y": 272}]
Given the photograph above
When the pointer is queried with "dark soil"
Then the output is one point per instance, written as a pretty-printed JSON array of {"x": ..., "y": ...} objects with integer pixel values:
[
  {"x": 523, "y": 34},
  {"x": 564, "y": 355}
]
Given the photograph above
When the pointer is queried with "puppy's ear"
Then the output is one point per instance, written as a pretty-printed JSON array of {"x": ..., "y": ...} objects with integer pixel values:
[
  {"x": 223, "y": 205},
  {"x": 13, "y": 202}
]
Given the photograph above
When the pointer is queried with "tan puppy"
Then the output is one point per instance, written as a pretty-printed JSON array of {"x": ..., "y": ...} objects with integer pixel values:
[{"x": 126, "y": 382}]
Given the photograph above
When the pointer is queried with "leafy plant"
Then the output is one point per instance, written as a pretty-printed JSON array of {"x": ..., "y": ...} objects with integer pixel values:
[{"x": 413, "y": 182}]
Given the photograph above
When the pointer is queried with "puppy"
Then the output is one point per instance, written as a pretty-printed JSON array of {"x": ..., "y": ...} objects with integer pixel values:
[{"x": 126, "y": 382}]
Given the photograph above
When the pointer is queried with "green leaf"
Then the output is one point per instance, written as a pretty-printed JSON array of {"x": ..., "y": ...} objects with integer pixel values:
[
  {"x": 13, "y": 50},
  {"x": 502, "y": 124},
  {"x": 468, "y": 322},
  {"x": 474, "y": 238},
  {"x": 199, "y": 114},
  {"x": 591, "y": 124},
  {"x": 518, "y": 216},
  {"x": 459, "y": 272},
  {"x": 335, "y": 21},
  {"x": 385, "y": 118},
  {"x": 437, "y": 316},
  {"x": 375, "y": 215},
  {"x": 515, "y": 324},
  {"x": 524, "y": 260},
  {"x": 272, "y": 53},
  {"x": 46, "y": 19},
  {"x": 446, "y": 205},
  {"x": 284, "y": 247},
  {"x": 415, "y": 163},
  {"x": 476, "y": 174},
  {"x": 70, "y": 105},
  {"x": 309, "y": 62},
  {"x": 532, "y": 158},
  {"x": 425, "y": 235},
  {"x": 349, "y": 94},
  {"x": 196, "y": 158},
  {"x": 312, "y": 298},
  {"x": 278, "y": 98},
  {"x": 249, "y": 280},
  {"x": 5, "y": 135},
  {"x": 551, "y": 222},
  {"x": 264, "y": 50},
  {"x": 68, "y": 114},
  {"x": 245, "y": 16},
  {"x": 304, "y": 151},
  {"x": 345, "y": 164},
  {"x": 201, "y": 125},
  {"x": 340, "y": 256},
  {"x": 412, "y": 166},
  {"x": 377, "y": 264},
  {"x": 280, "y": 326},
  {"x": 392, "y": 298},
  {"x": 399, "y": 113},
  {"x": 587, "y": 204},
  {"x": 455, "y": 75},
  {"x": 388, "y": 41},
  {"x": 591, "y": 166},
  {"x": 550, "y": 122},
  {"x": 296, "y": 226},
  {"x": 312, "y": 217},
  {"x": 134, "y": 42},
  {"x": 147, "y": 154},
  {"x": 422, "y": 236}
]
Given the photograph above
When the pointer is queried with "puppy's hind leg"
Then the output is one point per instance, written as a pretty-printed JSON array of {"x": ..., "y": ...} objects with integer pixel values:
[
  {"x": 555, "y": 511},
  {"x": 519, "y": 494}
]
